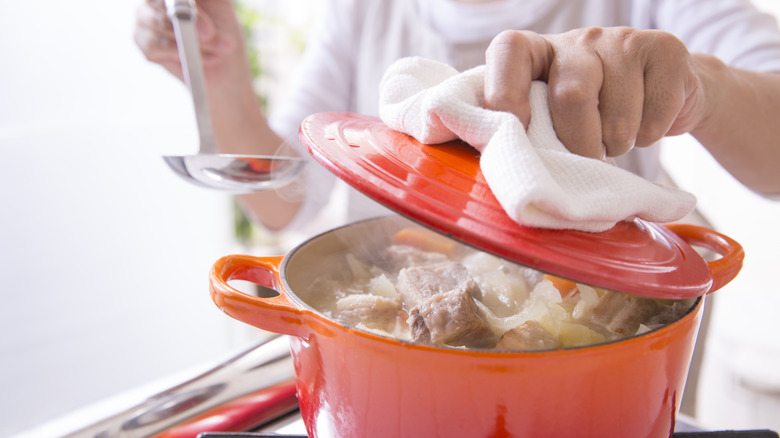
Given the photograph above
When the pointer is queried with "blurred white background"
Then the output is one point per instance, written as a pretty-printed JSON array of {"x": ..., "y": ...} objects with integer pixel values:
[{"x": 104, "y": 252}]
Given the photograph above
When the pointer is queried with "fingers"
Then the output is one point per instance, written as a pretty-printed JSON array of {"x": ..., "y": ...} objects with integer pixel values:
[
  {"x": 574, "y": 94},
  {"x": 596, "y": 89},
  {"x": 609, "y": 89},
  {"x": 155, "y": 37},
  {"x": 666, "y": 83},
  {"x": 622, "y": 100},
  {"x": 213, "y": 46},
  {"x": 512, "y": 61}
]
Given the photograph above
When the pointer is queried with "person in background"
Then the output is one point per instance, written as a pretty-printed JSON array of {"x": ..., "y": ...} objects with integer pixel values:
[{"x": 621, "y": 75}]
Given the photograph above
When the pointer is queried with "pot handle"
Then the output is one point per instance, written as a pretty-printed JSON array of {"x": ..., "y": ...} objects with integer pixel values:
[
  {"x": 276, "y": 314},
  {"x": 723, "y": 269}
]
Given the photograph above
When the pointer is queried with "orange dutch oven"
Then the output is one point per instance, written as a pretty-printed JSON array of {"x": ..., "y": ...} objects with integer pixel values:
[{"x": 353, "y": 383}]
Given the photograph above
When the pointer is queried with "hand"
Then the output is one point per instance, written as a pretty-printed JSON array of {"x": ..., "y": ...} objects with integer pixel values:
[
  {"x": 610, "y": 89},
  {"x": 238, "y": 121},
  {"x": 219, "y": 36}
]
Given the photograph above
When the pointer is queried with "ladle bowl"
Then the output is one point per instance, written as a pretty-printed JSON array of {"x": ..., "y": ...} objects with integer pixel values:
[
  {"x": 236, "y": 173},
  {"x": 207, "y": 168}
]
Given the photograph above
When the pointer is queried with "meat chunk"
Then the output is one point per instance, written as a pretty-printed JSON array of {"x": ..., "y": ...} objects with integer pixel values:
[
  {"x": 451, "y": 318},
  {"x": 528, "y": 336},
  {"x": 622, "y": 314},
  {"x": 370, "y": 310},
  {"x": 667, "y": 314},
  {"x": 419, "y": 283},
  {"x": 607, "y": 306}
]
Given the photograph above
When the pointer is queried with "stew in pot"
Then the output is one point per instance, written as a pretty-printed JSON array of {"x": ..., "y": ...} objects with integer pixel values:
[{"x": 424, "y": 287}]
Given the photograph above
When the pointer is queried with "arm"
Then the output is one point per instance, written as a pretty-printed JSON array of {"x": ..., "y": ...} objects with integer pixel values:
[
  {"x": 239, "y": 124},
  {"x": 615, "y": 88},
  {"x": 739, "y": 127},
  {"x": 323, "y": 81}
]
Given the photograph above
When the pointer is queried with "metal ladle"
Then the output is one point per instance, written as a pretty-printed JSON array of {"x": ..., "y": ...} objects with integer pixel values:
[{"x": 234, "y": 173}]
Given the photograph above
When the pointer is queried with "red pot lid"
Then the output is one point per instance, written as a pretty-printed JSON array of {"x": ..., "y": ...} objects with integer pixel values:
[{"x": 441, "y": 186}]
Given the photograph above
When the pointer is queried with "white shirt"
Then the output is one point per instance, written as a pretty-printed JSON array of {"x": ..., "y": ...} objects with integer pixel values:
[{"x": 357, "y": 40}]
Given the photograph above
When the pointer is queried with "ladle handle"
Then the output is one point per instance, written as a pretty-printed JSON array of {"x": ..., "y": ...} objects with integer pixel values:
[
  {"x": 183, "y": 14},
  {"x": 723, "y": 269},
  {"x": 275, "y": 314}
]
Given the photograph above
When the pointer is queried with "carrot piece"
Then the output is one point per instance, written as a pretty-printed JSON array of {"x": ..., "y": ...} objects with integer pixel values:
[
  {"x": 424, "y": 239},
  {"x": 563, "y": 285}
]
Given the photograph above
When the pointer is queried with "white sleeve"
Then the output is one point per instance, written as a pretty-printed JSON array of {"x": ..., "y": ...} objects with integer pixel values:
[
  {"x": 323, "y": 81},
  {"x": 324, "y": 78},
  {"x": 733, "y": 30}
]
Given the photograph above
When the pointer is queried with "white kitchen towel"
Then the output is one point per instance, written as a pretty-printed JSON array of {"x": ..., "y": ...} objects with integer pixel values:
[{"x": 532, "y": 175}]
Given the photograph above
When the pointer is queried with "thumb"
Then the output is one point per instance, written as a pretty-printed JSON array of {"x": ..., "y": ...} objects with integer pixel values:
[{"x": 205, "y": 27}]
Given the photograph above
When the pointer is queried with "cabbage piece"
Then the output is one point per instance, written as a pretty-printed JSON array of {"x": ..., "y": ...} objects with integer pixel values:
[
  {"x": 504, "y": 285},
  {"x": 383, "y": 287},
  {"x": 500, "y": 324},
  {"x": 588, "y": 299},
  {"x": 479, "y": 263},
  {"x": 544, "y": 305},
  {"x": 497, "y": 293},
  {"x": 359, "y": 270}
]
